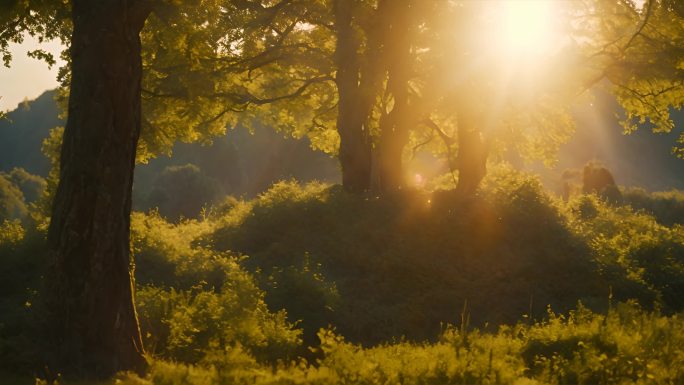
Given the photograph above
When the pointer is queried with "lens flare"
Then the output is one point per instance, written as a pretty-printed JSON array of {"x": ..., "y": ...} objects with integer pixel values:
[{"x": 523, "y": 29}]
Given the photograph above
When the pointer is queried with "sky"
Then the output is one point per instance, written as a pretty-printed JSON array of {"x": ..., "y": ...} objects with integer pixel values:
[{"x": 27, "y": 77}]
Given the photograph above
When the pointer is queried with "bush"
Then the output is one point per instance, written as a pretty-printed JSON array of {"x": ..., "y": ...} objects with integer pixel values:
[
  {"x": 642, "y": 258},
  {"x": 32, "y": 186},
  {"x": 182, "y": 192},
  {"x": 22, "y": 264},
  {"x": 195, "y": 325},
  {"x": 403, "y": 265},
  {"x": 12, "y": 204},
  {"x": 165, "y": 254},
  {"x": 667, "y": 206},
  {"x": 388, "y": 274},
  {"x": 194, "y": 303},
  {"x": 625, "y": 346},
  {"x": 11, "y": 233}
]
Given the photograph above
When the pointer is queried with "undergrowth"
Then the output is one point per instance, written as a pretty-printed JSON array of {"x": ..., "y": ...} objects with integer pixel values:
[
  {"x": 311, "y": 285},
  {"x": 625, "y": 346}
]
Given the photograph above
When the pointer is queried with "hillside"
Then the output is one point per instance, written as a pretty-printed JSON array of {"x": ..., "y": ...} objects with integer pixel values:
[{"x": 23, "y": 132}]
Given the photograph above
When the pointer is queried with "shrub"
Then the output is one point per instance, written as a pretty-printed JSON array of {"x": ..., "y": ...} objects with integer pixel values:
[
  {"x": 167, "y": 254},
  {"x": 625, "y": 346},
  {"x": 402, "y": 265},
  {"x": 32, "y": 186},
  {"x": 11, "y": 233},
  {"x": 642, "y": 258},
  {"x": 667, "y": 207},
  {"x": 12, "y": 204},
  {"x": 194, "y": 303},
  {"x": 195, "y": 325},
  {"x": 22, "y": 264},
  {"x": 182, "y": 192}
]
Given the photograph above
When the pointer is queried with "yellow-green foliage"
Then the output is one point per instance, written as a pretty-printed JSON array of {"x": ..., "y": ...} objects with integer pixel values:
[
  {"x": 204, "y": 301},
  {"x": 194, "y": 325},
  {"x": 12, "y": 203},
  {"x": 172, "y": 255},
  {"x": 400, "y": 265},
  {"x": 666, "y": 206},
  {"x": 372, "y": 282},
  {"x": 626, "y": 346},
  {"x": 11, "y": 232},
  {"x": 650, "y": 254}
]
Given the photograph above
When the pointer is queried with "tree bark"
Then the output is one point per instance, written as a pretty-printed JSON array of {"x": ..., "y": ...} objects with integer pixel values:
[
  {"x": 395, "y": 125},
  {"x": 355, "y": 142},
  {"x": 472, "y": 152},
  {"x": 90, "y": 289}
]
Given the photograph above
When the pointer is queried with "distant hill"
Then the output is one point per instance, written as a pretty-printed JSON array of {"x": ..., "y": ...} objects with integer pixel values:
[{"x": 22, "y": 134}]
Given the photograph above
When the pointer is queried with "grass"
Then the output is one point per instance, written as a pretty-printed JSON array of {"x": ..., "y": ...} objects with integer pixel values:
[{"x": 310, "y": 285}]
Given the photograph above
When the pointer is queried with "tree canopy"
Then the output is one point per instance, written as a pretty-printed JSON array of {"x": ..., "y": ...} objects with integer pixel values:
[{"x": 419, "y": 64}]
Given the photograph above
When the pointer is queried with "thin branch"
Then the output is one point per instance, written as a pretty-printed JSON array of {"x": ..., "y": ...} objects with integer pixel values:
[
  {"x": 448, "y": 141},
  {"x": 649, "y": 11}
]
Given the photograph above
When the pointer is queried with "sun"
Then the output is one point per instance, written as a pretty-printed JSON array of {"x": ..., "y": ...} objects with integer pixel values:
[{"x": 524, "y": 28}]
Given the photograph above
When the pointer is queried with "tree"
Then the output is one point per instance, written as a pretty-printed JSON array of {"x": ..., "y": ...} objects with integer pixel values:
[
  {"x": 302, "y": 67},
  {"x": 399, "y": 62},
  {"x": 352, "y": 114},
  {"x": 90, "y": 287},
  {"x": 637, "y": 54},
  {"x": 456, "y": 82},
  {"x": 481, "y": 105},
  {"x": 89, "y": 290},
  {"x": 402, "y": 72},
  {"x": 246, "y": 66},
  {"x": 31, "y": 186},
  {"x": 12, "y": 204}
]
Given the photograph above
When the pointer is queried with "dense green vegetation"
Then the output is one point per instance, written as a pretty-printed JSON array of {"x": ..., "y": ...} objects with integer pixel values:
[
  {"x": 622, "y": 347},
  {"x": 511, "y": 286},
  {"x": 667, "y": 206}
]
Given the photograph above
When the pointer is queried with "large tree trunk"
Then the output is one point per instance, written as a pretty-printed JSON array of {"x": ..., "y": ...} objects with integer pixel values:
[
  {"x": 394, "y": 136},
  {"x": 90, "y": 289},
  {"x": 395, "y": 125},
  {"x": 472, "y": 152},
  {"x": 355, "y": 142}
]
